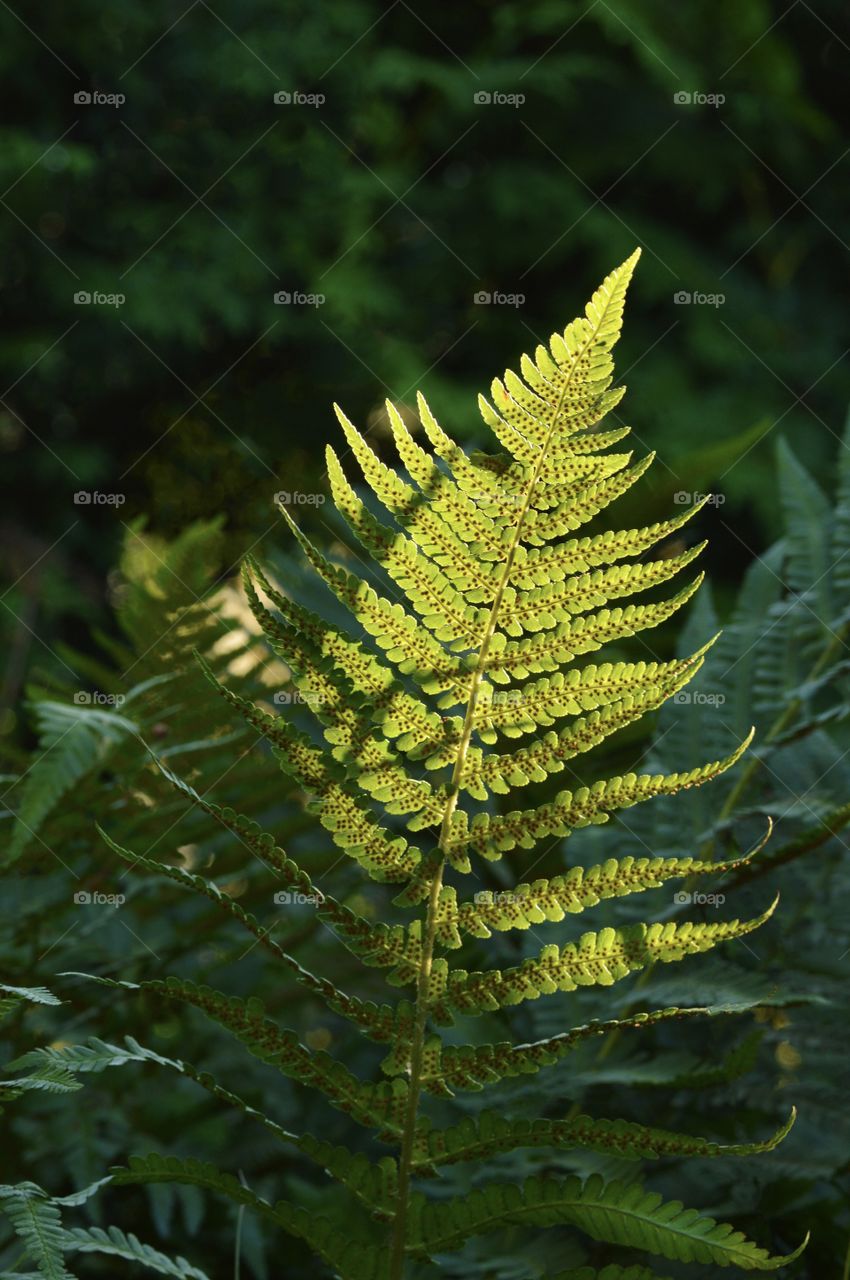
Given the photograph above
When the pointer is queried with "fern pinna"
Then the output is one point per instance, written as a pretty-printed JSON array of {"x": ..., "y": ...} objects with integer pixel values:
[{"x": 466, "y": 682}]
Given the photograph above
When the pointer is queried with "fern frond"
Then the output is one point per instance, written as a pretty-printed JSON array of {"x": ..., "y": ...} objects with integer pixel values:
[
  {"x": 432, "y": 566},
  {"x": 73, "y": 741},
  {"x": 542, "y": 702},
  {"x": 352, "y": 827},
  {"x": 596, "y": 959},
  {"x": 415, "y": 652},
  {"x": 12, "y": 998},
  {"x": 563, "y": 513},
  {"x": 611, "y": 1212},
  {"x": 352, "y": 1259},
  {"x": 380, "y": 1023},
  {"x": 544, "y": 566},
  {"x": 372, "y": 1184},
  {"x": 580, "y": 888},
  {"x": 471, "y": 1067},
  {"x": 38, "y": 1223},
  {"x": 549, "y": 650},
  {"x": 469, "y": 631},
  {"x": 491, "y": 837},
  {"x": 369, "y": 762},
  {"x": 462, "y": 512},
  {"x": 491, "y": 1133},
  {"x": 376, "y": 1106},
  {"x": 542, "y": 608},
  {"x": 115, "y": 1244},
  {"x": 389, "y": 706}
]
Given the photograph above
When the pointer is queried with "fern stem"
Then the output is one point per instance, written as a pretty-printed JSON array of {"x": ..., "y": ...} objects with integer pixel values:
[
  {"x": 397, "y": 1253},
  {"x": 237, "y": 1253}
]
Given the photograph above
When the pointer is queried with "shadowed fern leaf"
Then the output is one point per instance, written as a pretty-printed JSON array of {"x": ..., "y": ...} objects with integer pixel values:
[
  {"x": 37, "y": 1220},
  {"x": 38, "y": 1223}
]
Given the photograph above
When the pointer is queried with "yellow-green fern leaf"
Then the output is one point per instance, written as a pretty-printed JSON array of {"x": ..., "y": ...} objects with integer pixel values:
[
  {"x": 472, "y": 663},
  {"x": 543, "y": 901},
  {"x": 597, "y": 959}
]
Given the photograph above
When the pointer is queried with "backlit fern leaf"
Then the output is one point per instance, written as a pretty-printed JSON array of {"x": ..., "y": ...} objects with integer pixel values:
[{"x": 487, "y": 599}]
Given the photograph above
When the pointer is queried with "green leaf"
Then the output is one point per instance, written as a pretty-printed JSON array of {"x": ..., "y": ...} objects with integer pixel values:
[
  {"x": 491, "y": 1132},
  {"x": 472, "y": 1066},
  {"x": 353, "y": 1259},
  {"x": 39, "y": 1224},
  {"x": 596, "y": 959},
  {"x": 73, "y": 741},
  {"x": 376, "y": 1105},
  {"x": 610, "y": 1212},
  {"x": 12, "y": 997},
  {"x": 114, "y": 1243}
]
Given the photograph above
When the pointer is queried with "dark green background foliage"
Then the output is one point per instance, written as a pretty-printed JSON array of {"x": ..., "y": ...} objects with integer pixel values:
[{"x": 399, "y": 198}]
